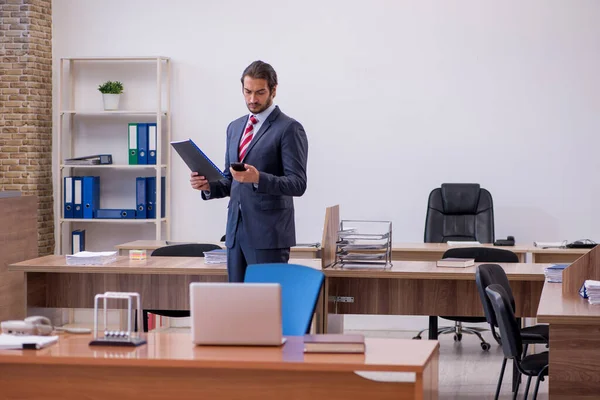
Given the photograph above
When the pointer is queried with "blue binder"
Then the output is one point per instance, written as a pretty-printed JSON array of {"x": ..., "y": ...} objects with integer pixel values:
[
  {"x": 140, "y": 198},
  {"x": 142, "y": 141},
  {"x": 111, "y": 213},
  {"x": 77, "y": 197},
  {"x": 151, "y": 197},
  {"x": 152, "y": 142},
  {"x": 77, "y": 241},
  {"x": 68, "y": 197},
  {"x": 91, "y": 196}
]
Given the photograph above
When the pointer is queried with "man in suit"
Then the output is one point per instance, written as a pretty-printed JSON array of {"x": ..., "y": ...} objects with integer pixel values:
[{"x": 274, "y": 151}]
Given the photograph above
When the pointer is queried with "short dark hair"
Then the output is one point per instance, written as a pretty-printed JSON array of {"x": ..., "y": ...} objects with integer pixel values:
[{"x": 261, "y": 70}]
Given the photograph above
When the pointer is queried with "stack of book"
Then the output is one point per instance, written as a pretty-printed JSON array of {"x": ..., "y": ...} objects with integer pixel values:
[
  {"x": 333, "y": 343},
  {"x": 592, "y": 290},
  {"x": 92, "y": 258},
  {"x": 554, "y": 272},
  {"x": 218, "y": 256}
]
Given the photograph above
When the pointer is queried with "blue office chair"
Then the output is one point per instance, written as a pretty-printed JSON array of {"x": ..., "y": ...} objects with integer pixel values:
[{"x": 300, "y": 289}]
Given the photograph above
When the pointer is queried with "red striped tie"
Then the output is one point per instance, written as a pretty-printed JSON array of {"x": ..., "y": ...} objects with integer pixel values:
[{"x": 247, "y": 137}]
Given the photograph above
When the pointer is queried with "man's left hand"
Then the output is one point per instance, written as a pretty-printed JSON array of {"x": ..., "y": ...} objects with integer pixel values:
[{"x": 250, "y": 175}]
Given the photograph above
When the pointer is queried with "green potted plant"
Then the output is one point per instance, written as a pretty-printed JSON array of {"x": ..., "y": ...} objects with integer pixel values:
[{"x": 111, "y": 94}]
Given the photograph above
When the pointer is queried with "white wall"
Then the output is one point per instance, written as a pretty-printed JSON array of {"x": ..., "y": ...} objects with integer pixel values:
[{"x": 396, "y": 97}]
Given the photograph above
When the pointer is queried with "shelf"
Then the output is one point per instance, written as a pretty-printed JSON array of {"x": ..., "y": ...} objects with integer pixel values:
[
  {"x": 133, "y": 58},
  {"x": 116, "y": 166},
  {"x": 117, "y": 221},
  {"x": 112, "y": 112}
]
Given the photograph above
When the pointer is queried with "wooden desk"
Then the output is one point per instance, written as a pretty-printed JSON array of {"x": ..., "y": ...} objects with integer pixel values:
[
  {"x": 556, "y": 256},
  {"x": 302, "y": 252},
  {"x": 435, "y": 251},
  {"x": 171, "y": 366},
  {"x": 574, "y": 343},
  {"x": 163, "y": 282},
  {"x": 421, "y": 288}
]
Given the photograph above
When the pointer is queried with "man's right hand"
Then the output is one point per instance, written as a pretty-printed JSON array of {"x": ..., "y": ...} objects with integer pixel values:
[{"x": 199, "y": 182}]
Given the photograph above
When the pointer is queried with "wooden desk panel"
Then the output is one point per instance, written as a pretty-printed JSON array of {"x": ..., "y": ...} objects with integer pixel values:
[
  {"x": 18, "y": 241},
  {"x": 423, "y": 297},
  {"x": 574, "y": 344},
  {"x": 556, "y": 256},
  {"x": 170, "y": 365}
]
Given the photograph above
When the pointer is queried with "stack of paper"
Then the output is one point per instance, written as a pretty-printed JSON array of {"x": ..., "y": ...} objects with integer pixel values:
[
  {"x": 20, "y": 342},
  {"x": 592, "y": 289},
  {"x": 92, "y": 258},
  {"x": 218, "y": 256},
  {"x": 554, "y": 272}
]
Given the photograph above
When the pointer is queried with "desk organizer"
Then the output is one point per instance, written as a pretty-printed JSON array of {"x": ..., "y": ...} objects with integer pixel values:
[
  {"x": 118, "y": 338},
  {"x": 364, "y": 244}
]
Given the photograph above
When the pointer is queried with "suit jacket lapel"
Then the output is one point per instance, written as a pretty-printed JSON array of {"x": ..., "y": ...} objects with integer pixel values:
[
  {"x": 265, "y": 127},
  {"x": 234, "y": 154}
]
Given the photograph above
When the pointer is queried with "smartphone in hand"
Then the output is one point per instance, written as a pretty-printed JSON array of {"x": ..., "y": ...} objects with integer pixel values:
[{"x": 238, "y": 166}]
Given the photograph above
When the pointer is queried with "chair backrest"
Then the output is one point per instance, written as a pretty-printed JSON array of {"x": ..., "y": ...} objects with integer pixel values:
[
  {"x": 461, "y": 212},
  {"x": 512, "y": 346},
  {"x": 490, "y": 274},
  {"x": 185, "y": 250},
  {"x": 482, "y": 254},
  {"x": 300, "y": 289}
]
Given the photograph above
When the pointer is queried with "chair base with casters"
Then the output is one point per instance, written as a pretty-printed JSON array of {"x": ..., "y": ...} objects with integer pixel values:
[{"x": 458, "y": 329}]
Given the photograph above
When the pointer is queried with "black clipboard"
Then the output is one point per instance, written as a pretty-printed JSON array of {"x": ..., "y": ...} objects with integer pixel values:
[{"x": 197, "y": 161}]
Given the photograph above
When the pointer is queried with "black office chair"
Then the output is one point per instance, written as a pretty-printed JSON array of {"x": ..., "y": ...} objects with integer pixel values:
[
  {"x": 459, "y": 212},
  {"x": 490, "y": 274},
  {"x": 480, "y": 254},
  {"x": 179, "y": 250},
  {"x": 512, "y": 342}
]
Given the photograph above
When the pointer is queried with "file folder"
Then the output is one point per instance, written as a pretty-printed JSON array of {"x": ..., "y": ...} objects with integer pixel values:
[
  {"x": 140, "y": 198},
  {"x": 110, "y": 213},
  {"x": 197, "y": 161},
  {"x": 91, "y": 196},
  {"x": 142, "y": 143},
  {"x": 77, "y": 197},
  {"x": 132, "y": 144},
  {"x": 152, "y": 143},
  {"x": 68, "y": 197},
  {"x": 151, "y": 197},
  {"x": 77, "y": 241}
]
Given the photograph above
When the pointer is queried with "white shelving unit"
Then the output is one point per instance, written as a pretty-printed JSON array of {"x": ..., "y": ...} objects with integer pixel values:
[{"x": 70, "y": 110}]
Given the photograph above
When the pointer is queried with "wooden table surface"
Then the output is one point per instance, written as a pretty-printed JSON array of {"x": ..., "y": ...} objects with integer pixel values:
[
  {"x": 150, "y": 266},
  {"x": 177, "y": 350},
  {"x": 429, "y": 270},
  {"x": 565, "y": 309}
]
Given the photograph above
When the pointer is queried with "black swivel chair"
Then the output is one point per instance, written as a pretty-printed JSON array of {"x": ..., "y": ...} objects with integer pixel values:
[
  {"x": 459, "y": 212},
  {"x": 480, "y": 254},
  {"x": 512, "y": 342},
  {"x": 180, "y": 250},
  {"x": 490, "y": 274}
]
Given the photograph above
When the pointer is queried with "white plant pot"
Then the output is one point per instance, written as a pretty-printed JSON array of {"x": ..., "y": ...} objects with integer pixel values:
[{"x": 111, "y": 101}]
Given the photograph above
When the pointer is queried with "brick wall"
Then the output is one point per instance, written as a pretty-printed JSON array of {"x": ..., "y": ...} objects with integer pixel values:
[{"x": 26, "y": 107}]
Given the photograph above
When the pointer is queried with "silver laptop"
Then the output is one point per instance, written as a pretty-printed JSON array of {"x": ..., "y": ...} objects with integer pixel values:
[{"x": 236, "y": 314}]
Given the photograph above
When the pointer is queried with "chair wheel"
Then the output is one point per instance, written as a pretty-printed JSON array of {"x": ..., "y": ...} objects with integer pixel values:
[
  {"x": 458, "y": 337},
  {"x": 485, "y": 346},
  {"x": 417, "y": 337}
]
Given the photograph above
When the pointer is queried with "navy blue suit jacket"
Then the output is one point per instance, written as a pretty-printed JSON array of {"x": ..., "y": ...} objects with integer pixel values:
[{"x": 279, "y": 151}]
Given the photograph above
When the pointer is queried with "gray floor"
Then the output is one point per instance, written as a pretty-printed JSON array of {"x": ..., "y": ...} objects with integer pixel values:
[{"x": 466, "y": 371}]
